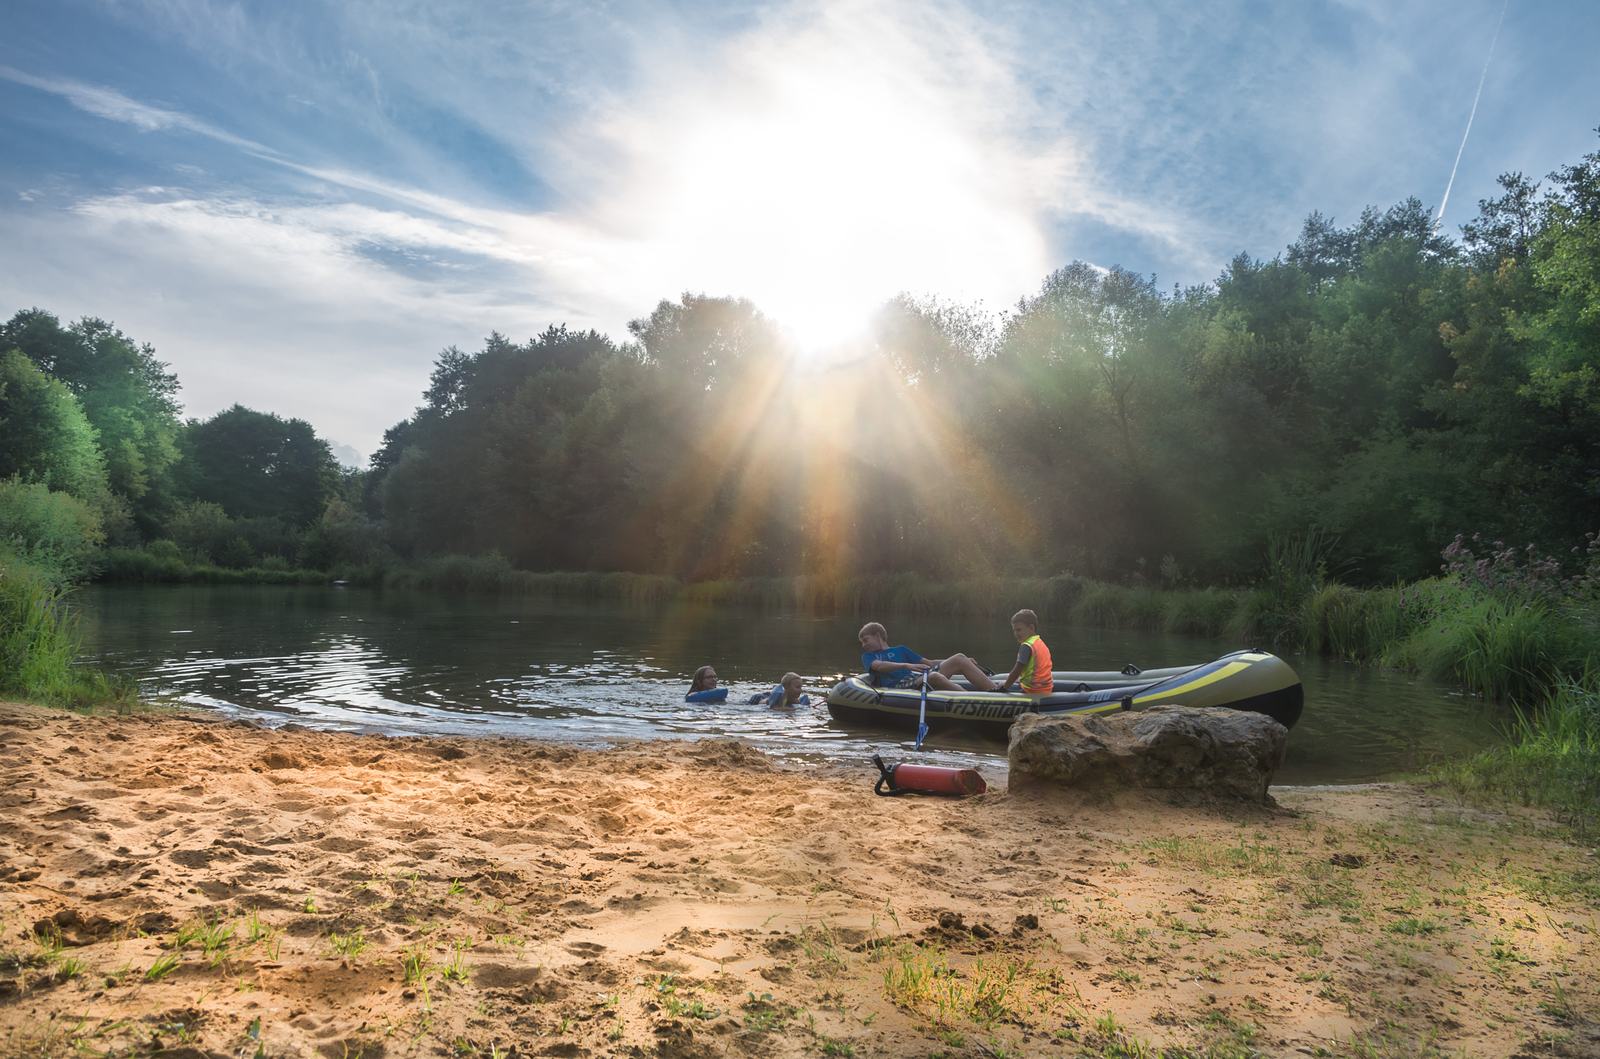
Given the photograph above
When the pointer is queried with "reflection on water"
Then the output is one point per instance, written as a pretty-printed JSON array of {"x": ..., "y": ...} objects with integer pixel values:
[{"x": 357, "y": 659}]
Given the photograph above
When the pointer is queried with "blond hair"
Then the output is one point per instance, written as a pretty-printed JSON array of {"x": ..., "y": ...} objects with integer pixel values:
[{"x": 875, "y": 629}]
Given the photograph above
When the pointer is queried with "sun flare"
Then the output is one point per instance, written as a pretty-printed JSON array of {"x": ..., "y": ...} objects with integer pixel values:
[{"x": 819, "y": 173}]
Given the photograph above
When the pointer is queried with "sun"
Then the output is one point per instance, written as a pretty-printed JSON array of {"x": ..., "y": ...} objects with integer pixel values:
[{"x": 819, "y": 181}]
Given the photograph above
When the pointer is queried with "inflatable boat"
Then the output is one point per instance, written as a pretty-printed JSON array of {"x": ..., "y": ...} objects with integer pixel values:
[{"x": 1244, "y": 680}]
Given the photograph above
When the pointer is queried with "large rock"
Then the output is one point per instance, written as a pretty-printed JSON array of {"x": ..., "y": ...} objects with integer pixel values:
[{"x": 1217, "y": 751}]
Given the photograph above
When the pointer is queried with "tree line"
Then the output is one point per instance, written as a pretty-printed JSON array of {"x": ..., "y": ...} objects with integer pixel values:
[{"x": 1378, "y": 384}]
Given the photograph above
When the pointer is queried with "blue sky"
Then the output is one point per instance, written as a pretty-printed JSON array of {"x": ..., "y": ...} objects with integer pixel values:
[{"x": 300, "y": 204}]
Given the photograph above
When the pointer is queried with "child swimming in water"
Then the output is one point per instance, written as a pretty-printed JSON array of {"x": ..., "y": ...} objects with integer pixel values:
[
  {"x": 705, "y": 678},
  {"x": 788, "y": 693},
  {"x": 704, "y": 687}
]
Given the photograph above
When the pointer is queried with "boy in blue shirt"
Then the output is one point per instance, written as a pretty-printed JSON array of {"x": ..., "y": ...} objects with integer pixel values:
[{"x": 901, "y": 667}]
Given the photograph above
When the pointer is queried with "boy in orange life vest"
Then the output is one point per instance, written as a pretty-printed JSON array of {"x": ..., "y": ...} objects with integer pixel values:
[{"x": 1033, "y": 657}]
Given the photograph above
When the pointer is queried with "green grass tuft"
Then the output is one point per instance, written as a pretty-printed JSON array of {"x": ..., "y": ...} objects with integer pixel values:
[
  {"x": 39, "y": 641},
  {"x": 1552, "y": 759}
]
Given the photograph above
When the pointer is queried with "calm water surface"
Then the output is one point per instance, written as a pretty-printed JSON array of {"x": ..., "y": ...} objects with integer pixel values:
[{"x": 423, "y": 663}]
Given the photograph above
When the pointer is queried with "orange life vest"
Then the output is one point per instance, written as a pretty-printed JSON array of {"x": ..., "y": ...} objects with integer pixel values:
[{"x": 1036, "y": 677}]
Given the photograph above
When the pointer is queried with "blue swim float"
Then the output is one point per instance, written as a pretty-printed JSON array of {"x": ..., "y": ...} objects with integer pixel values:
[{"x": 709, "y": 695}]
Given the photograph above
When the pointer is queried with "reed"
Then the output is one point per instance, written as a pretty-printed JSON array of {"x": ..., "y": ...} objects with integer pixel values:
[
  {"x": 1199, "y": 611},
  {"x": 39, "y": 640},
  {"x": 1354, "y": 624},
  {"x": 1551, "y": 758},
  {"x": 1499, "y": 648},
  {"x": 1249, "y": 618},
  {"x": 155, "y": 565},
  {"x": 1105, "y": 605},
  {"x": 493, "y": 573}
]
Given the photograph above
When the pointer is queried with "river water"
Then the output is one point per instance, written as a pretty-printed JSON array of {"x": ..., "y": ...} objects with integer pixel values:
[{"x": 424, "y": 663}]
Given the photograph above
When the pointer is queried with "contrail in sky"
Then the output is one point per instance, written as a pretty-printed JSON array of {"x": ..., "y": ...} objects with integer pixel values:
[{"x": 1474, "y": 113}]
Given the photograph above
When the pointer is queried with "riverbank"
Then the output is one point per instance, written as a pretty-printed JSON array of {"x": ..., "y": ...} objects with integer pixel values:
[{"x": 175, "y": 881}]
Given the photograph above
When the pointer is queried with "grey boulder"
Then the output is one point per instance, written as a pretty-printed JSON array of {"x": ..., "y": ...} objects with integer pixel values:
[{"x": 1228, "y": 753}]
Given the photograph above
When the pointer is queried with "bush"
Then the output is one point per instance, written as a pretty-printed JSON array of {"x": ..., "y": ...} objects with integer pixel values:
[
  {"x": 1297, "y": 567},
  {"x": 162, "y": 562},
  {"x": 257, "y": 539},
  {"x": 51, "y": 531},
  {"x": 341, "y": 537},
  {"x": 201, "y": 530},
  {"x": 159, "y": 562}
]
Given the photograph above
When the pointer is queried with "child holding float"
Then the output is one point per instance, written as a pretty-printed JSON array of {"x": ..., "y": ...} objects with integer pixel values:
[
  {"x": 704, "y": 687},
  {"x": 788, "y": 693}
]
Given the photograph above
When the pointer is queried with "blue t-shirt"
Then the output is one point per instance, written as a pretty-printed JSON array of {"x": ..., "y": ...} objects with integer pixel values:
[{"x": 899, "y": 678}]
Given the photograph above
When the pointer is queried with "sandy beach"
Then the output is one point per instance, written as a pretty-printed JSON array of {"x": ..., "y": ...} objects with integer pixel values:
[{"x": 180, "y": 885}]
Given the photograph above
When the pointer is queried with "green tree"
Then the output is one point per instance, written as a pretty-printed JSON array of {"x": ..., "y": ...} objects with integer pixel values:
[
  {"x": 204, "y": 532},
  {"x": 44, "y": 435},
  {"x": 258, "y": 465},
  {"x": 126, "y": 393},
  {"x": 1564, "y": 331},
  {"x": 708, "y": 344}
]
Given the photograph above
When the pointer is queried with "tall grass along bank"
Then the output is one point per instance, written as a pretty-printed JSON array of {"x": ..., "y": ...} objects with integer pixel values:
[
  {"x": 39, "y": 643},
  {"x": 1552, "y": 759}
]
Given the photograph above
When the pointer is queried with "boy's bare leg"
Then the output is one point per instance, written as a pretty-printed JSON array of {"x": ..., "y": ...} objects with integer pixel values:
[{"x": 961, "y": 665}]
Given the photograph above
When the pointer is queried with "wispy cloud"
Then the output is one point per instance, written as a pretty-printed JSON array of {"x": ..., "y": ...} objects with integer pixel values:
[{"x": 114, "y": 106}]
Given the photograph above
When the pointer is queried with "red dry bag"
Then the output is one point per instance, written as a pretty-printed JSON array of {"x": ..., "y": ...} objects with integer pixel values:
[{"x": 926, "y": 779}]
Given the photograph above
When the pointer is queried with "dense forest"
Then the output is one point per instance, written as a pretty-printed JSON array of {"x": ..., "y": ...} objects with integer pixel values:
[{"x": 1378, "y": 384}]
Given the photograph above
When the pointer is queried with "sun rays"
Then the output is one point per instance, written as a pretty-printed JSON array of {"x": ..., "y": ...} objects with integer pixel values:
[{"x": 841, "y": 466}]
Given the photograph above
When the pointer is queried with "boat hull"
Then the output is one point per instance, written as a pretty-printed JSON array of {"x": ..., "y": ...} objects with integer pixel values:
[{"x": 1244, "y": 680}]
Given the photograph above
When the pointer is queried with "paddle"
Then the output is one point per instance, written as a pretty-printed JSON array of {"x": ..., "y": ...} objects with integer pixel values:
[{"x": 922, "y": 712}]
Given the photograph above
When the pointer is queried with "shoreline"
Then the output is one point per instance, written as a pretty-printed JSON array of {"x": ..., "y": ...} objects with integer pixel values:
[{"x": 191, "y": 882}]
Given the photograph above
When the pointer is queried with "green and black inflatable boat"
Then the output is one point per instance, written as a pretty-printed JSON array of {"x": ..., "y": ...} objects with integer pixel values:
[{"x": 1244, "y": 680}]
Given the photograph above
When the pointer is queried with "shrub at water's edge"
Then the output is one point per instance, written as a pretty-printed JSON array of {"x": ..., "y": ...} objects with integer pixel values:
[
  {"x": 162, "y": 563},
  {"x": 51, "y": 532},
  {"x": 493, "y": 573}
]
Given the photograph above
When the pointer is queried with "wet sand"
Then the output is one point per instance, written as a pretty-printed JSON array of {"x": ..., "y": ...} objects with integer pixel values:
[{"x": 186, "y": 886}]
